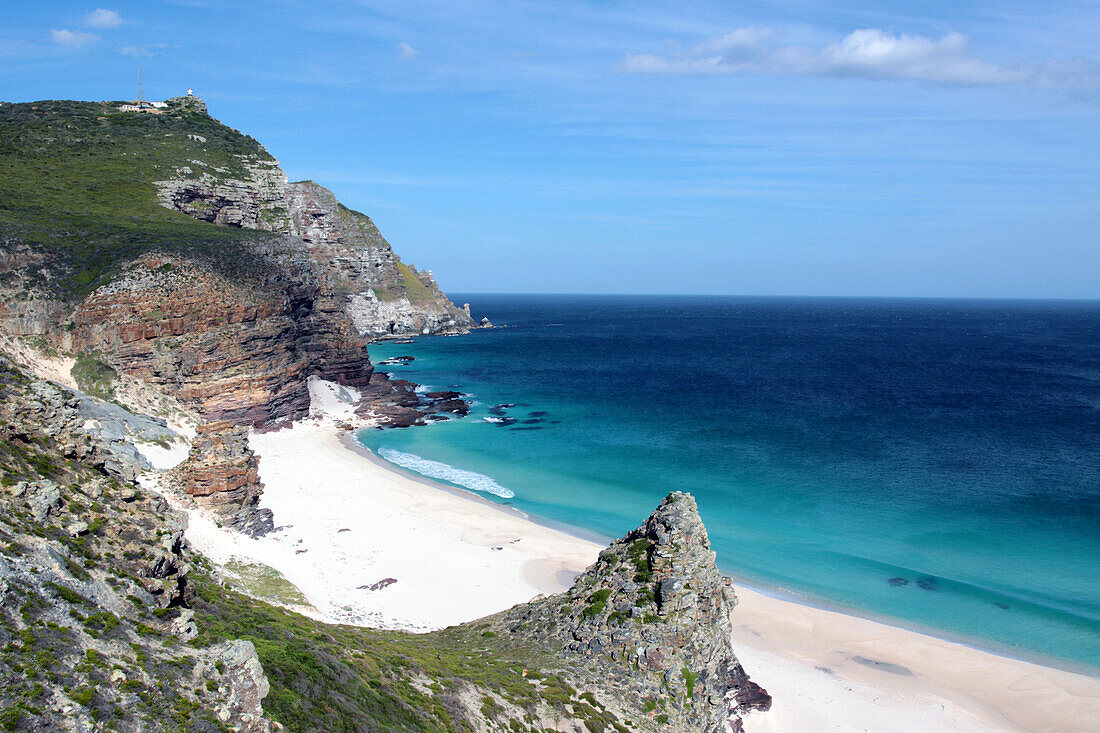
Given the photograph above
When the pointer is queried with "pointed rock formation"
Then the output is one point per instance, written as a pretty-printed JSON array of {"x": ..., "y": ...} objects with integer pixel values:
[{"x": 654, "y": 612}]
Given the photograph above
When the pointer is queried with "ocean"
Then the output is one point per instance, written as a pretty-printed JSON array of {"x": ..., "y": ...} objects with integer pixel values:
[{"x": 934, "y": 463}]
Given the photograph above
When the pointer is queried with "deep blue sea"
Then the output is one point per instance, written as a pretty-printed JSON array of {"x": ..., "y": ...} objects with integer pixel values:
[{"x": 933, "y": 462}]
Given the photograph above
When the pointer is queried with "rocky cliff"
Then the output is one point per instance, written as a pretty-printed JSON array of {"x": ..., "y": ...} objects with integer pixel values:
[
  {"x": 654, "y": 612},
  {"x": 95, "y": 590},
  {"x": 386, "y": 297}
]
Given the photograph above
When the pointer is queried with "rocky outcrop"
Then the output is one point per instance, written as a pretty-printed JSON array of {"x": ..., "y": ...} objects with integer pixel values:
[
  {"x": 236, "y": 350},
  {"x": 255, "y": 199},
  {"x": 83, "y": 428},
  {"x": 223, "y": 470},
  {"x": 654, "y": 612},
  {"x": 96, "y": 591},
  {"x": 395, "y": 403},
  {"x": 384, "y": 296}
]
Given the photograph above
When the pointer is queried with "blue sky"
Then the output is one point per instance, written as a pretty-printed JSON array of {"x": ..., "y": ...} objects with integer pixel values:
[{"x": 904, "y": 148}]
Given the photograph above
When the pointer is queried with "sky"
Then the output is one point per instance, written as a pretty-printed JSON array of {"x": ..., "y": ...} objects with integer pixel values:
[{"x": 888, "y": 148}]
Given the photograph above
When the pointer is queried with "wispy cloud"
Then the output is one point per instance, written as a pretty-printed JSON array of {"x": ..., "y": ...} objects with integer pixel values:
[
  {"x": 868, "y": 53},
  {"x": 149, "y": 49},
  {"x": 72, "y": 39},
  {"x": 101, "y": 18},
  {"x": 406, "y": 51}
]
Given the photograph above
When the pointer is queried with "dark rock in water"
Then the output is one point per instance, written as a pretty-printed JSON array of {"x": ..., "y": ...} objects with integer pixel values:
[
  {"x": 502, "y": 421},
  {"x": 396, "y": 361},
  {"x": 437, "y": 418},
  {"x": 898, "y": 581},
  {"x": 455, "y": 406},
  {"x": 528, "y": 428},
  {"x": 1003, "y": 606},
  {"x": 538, "y": 413},
  {"x": 928, "y": 584},
  {"x": 533, "y": 421},
  {"x": 444, "y": 395}
]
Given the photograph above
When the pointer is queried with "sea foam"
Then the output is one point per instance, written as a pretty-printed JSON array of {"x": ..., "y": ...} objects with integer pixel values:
[{"x": 435, "y": 469}]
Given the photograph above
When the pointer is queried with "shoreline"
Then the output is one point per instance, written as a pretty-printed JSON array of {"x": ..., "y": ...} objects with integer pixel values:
[
  {"x": 369, "y": 543},
  {"x": 888, "y": 673},
  {"x": 1037, "y": 659},
  {"x": 580, "y": 533},
  {"x": 742, "y": 582}
]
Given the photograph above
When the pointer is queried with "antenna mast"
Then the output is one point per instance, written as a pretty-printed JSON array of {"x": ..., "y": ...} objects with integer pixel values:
[{"x": 141, "y": 97}]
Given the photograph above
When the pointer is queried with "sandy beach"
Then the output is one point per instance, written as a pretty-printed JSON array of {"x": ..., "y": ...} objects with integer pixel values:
[{"x": 369, "y": 544}]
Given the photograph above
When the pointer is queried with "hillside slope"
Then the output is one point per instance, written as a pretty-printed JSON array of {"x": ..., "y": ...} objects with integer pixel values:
[{"x": 85, "y": 188}]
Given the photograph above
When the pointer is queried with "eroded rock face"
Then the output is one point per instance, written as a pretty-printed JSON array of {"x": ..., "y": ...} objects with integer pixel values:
[
  {"x": 654, "y": 612},
  {"x": 384, "y": 296},
  {"x": 256, "y": 200},
  {"x": 224, "y": 472},
  {"x": 234, "y": 350},
  {"x": 96, "y": 588}
]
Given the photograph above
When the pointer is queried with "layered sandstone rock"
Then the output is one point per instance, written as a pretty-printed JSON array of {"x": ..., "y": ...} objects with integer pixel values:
[
  {"x": 222, "y": 470},
  {"x": 654, "y": 612}
]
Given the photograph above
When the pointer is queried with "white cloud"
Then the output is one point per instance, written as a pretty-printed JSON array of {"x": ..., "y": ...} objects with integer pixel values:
[
  {"x": 72, "y": 39},
  {"x": 867, "y": 53},
  {"x": 406, "y": 51},
  {"x": 101, "y": 18}
]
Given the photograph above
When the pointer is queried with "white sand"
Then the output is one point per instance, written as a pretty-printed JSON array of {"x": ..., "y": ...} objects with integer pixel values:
[
  {"x": 370, "y": 545},
  {"x": 456, "y": 558},
  {"x": 804, "y": 657}
]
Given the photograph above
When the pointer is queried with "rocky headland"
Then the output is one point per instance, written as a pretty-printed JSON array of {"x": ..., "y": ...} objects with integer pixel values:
[{"x": 191, "y": 268}]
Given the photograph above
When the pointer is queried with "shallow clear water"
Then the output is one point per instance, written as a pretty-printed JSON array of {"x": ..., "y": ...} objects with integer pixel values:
[{"x": 936, "y": 462}]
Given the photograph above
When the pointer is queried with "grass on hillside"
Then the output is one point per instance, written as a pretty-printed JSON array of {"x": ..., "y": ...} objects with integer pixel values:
[
  {"x": 94, "y": 376},
  {"x": 343, "y": 678},
  {"x": 416, "y": 291},
  {"x": 76, "y": 182}
]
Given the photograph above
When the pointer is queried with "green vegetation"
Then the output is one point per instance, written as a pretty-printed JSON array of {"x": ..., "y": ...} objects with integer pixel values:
[
  {"x": 266, "y": 583},
  {"x": 596, "y": 603},
  {"x": 689, "y": 681},
  {"x": 76, "y": 185},
  {"x": 416, "y": 291},
  {"x": 340, "y": 678},
  {"x": 638, "y": 555},
  {"x": 94, "y": 376}
]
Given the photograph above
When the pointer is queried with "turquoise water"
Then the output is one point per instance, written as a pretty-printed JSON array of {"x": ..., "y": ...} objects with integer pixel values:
[{"x": 932, "y": 462}]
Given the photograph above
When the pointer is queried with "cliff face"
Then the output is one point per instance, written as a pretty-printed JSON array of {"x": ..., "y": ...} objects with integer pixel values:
[
  {"x": 236, "y": 349},
  {"x": 385, "y": 297},
  {"x": 95, "y": 585},
  {"x": 654, "y": 612},
  {"x": 382, "y": 295},
  {"x": 171, "y": 250}
]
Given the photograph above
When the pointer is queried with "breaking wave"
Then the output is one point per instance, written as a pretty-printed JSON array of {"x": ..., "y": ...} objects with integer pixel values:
[{"x": 445, "y": 472}]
